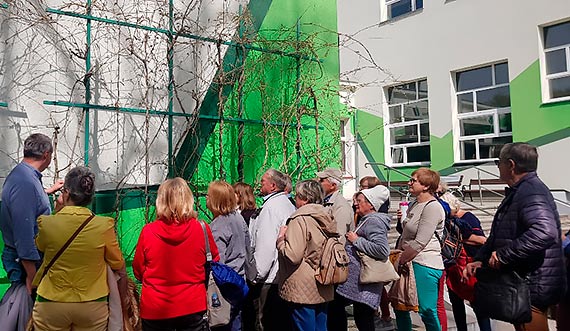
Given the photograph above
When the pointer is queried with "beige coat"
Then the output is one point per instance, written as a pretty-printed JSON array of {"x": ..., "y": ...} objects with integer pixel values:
[
  {"x": 299, "y": 254},
  {"x": 342, "y": 213}
]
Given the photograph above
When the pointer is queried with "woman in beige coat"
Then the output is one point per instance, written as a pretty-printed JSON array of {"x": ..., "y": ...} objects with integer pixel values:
[{"x": 300, "y": 247}]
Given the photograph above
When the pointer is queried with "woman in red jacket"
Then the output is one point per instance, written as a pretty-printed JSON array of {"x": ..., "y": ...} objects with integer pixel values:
[{"x": 169, "y": 261}]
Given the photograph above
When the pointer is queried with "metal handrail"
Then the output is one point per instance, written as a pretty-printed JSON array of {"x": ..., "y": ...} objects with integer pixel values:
[{"x": 389, "y": 168}]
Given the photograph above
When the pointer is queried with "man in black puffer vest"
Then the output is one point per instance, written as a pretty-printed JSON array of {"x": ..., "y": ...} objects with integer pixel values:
[{"x": 526, "y": 235}]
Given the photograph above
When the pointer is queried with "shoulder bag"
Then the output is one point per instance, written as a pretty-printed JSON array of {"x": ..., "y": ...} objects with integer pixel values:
[
  {"x": 503, "y": 295},
  {"x": 30, "y": 326},
  {"x": 373, "y": 270},
  {"x": 219, "y": 309}
]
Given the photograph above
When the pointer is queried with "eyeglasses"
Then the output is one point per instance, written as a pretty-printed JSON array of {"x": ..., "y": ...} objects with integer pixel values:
[
  {"x": 412, "y": 180},
  {"x": 497, "y": 162}
]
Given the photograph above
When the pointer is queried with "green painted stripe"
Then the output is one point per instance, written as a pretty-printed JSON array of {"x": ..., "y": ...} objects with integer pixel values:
[
  {"x": 194, "y": 144},
  {"x": 369, "y": 157},
  {"x": 550, "y": 138}
]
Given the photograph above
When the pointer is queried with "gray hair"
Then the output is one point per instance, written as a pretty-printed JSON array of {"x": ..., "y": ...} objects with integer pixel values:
[
  {"x": 289, "y": 186},
  {"x": 524, "y": 156},
  {"x": 334, "y": 181},
  {"x": 80, "y": 183},
  {"x": 278, "y": 178},
  {"x": 36, "y": 145},
  {"x": 310, "y": 190}
]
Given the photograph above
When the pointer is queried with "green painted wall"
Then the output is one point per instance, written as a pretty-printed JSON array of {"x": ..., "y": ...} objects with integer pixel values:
[
  {"x": 531, "y": 118},
  {"x": 532, "y": 121},
  {"x": 264, "y": 146}
]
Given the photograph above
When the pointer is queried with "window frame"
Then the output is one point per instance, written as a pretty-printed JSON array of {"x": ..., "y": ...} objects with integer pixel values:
[
  {"x": 544, "y": 76},
  {"x": 388, "y": 146},
  {"x": 385, "y": 9},
  {"x": 347, "y": 138},
  {"x": 494, "y": 113}
]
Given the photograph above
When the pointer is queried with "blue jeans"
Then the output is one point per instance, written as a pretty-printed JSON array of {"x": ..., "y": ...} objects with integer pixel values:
[
  {"x": 309, "y": 317},
  {"x": 14, "y": 269}
]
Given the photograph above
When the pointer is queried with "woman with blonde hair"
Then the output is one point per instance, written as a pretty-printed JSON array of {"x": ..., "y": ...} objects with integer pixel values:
[
  {"x": 231, "y": 235},
  {"x": 170, "y": 262},
  {"x": 72, "y": 286},
  {"x": 245, "y": 200}
]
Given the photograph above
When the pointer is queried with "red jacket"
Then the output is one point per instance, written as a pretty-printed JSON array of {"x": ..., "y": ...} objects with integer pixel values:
[{"x": 169, "y": 260}]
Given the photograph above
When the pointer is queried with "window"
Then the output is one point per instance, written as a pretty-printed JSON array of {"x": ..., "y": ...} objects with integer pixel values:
[
  {"x": 483, "y": 111},
  {"x": 407, "y": 123},
  {"x": 395, "y": 8},
  {"x": 556, "y": 61},
  {"x": 347, "y": 140}
]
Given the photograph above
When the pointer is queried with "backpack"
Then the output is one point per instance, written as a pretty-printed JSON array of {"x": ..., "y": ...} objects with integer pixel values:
[
  {"x": 452, "y": 240},
  {"x": 333, "y": 264}
]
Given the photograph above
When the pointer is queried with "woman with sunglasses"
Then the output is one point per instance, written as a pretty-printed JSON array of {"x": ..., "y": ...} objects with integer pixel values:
[{"x": 419, "y": 244}]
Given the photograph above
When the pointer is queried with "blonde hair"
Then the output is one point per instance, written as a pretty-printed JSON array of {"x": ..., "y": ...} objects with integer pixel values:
[
  {"x": 245, "y": 197},
  {"x": 175, "y": 202},
  {"x": 221, "y": 198}
]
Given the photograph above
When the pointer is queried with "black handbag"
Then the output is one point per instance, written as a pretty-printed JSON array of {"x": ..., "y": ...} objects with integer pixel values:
[{"x": 502, "y": 295}]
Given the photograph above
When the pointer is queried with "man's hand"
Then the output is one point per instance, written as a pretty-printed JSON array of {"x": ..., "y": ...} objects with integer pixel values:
[
  {"x": 494, "y": 261},
  {"x": 470, "y": 269},
  {"x": 30, "y": 267},
  {"x": 351, "y": 236},
  {"x": 55, "y": 187},
  {"x": 282, "y": 231}
]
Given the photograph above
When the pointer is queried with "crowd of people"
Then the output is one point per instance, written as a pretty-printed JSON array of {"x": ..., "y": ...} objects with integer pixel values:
[{"x": 63, "y": 266}]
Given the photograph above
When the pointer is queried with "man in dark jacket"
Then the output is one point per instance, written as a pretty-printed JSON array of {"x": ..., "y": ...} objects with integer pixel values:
[{"x": 525, "y": 235}]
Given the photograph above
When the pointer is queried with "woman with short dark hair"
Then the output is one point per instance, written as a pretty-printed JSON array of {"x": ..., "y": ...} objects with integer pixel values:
[{"x": 73, "y": 294}]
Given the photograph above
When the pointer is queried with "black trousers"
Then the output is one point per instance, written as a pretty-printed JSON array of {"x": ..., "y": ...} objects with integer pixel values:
[{"x": 191, "y": 322}]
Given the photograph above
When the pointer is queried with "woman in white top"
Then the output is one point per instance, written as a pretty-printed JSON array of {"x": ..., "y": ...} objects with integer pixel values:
[{"x": 421, "y": 246}]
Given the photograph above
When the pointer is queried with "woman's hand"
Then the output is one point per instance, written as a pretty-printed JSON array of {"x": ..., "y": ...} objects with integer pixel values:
[{"x": 351, "y": 236}]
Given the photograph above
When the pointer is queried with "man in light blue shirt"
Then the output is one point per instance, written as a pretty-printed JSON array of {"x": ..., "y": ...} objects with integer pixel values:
[{"x": 23, "y": 200}]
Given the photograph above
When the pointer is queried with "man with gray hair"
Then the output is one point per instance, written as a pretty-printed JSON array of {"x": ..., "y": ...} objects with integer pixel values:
[
  {"x": 339, "y": 207},
  {"x": 264, "y": 230},
  {"x": 23, "y": 200},
  {"x": 525, "y": 235}
]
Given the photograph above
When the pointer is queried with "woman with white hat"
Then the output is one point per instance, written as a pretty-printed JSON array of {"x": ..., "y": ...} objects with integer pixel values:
[{"x": 371, "y": 238}]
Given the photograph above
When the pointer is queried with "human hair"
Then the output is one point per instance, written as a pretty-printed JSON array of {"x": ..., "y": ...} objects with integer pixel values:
[
  {"x": 524, "y": 156},
  {"x": 245, "y": 197},
  {"x": 452, "y": 201},
  {"x": 334, "y": 181},
  {"x": 36, "y": 145},
  {"x": 310, "y": 190},
  {"x": 427, "y": 177},
  {"x": 369, "y": 181},
  {"x": 444, "y": 186},
  {"x": 175, "y": 201},
  {"x": 278, "y": 178},
  {"x": 80, "y": 185},
  {"x": 221, "y": 198},
  {"x": 288, "y": 184}
]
